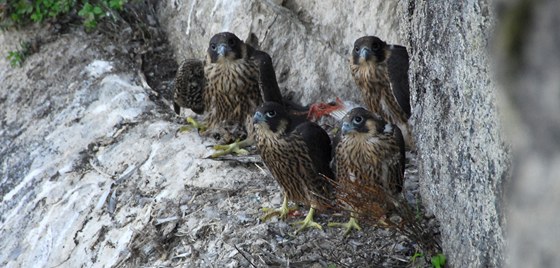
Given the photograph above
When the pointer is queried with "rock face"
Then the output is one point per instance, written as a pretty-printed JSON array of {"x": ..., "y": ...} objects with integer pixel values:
[
  {"x": 463, "y": 161},
  {"x": 93, "y": 172},
  {"x": 462, "y": 158},
  {"x": 309, "y": 41}
]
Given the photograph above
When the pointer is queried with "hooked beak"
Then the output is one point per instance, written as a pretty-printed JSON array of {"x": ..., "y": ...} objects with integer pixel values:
[
  {"x": 347, "y": 127},
  {"x": 365, "y": 52},
  {"x": 258, "y": 117},
  {"x": 222, "y": 49}
]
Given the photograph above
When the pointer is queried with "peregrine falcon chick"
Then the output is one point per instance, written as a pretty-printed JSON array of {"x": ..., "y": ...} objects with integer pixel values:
[
  {"x": 369, "y": 153},
  {"x": 297, "y": 153},
  {"x": 381, "y": 73},
  {"x": 225, "y": 87}
]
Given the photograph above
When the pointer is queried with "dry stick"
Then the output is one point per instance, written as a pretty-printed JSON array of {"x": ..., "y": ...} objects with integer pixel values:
[{"x": 243, "y": 254}]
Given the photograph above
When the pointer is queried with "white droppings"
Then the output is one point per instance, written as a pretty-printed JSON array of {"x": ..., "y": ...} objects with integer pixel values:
[
  {"x": 66, "y": 168},
  {"x": 98, "y": 67},
  {"x": 189, "y": 18}
]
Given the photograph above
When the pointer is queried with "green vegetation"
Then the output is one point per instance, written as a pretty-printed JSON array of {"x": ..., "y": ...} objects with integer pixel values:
[
  {"x": 416, "y": 256},
  {"x": 91, "y": 14},
  {"x": 438, "y": 261},
  {"x": 14, "y": 13},
  {"x": 20, "y": 13},
  {"x": 23, "y": 12},
  {"x": 17, "y": 57}
]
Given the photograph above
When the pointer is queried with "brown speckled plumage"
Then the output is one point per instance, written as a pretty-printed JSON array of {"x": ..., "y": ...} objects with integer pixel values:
[
  {"x": 382, "y": 95},
  {"x": 189, "y": 86},
  {"x": 370, "y": 153},
  {"x": 297, "y": 153},
  {"x": 231, "y": 92}
]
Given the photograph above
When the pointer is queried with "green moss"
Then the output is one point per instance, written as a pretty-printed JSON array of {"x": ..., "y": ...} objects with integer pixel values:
[{"x": 21, "y": 13}]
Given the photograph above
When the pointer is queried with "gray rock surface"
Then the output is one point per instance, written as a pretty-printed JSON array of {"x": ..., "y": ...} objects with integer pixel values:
[
  {"x": 463, "y": 160},
  {"x": 89, "y": 163}
]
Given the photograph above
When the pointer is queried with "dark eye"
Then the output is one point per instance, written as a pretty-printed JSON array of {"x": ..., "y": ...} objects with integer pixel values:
[
  {"x": 357, "y": 120},
  {"x": 213, "y": 46},
  {"x": 270, "y": 114},
  {"x": 231, "y": 43},
  {"x": 357, "y": 49},
  {"x": 375, "y": 46}
]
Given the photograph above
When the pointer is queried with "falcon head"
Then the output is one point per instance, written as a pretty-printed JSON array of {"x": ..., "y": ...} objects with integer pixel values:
[
  {"x": 272, "y": 115},
  {"x": 369, "y": 48},
  {"x": 225, "y": 46},
  {"x": 360, "y": 121}
]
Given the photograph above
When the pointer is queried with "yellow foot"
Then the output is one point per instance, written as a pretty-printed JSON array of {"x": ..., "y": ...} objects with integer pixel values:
[
  {"x": 308, "y": 222},
  {"x": 236, "y": 148},
  {"x": 281, "y": 212},
  {"x": 192, "y": 124},
  {"x": 351, "y": 224}
]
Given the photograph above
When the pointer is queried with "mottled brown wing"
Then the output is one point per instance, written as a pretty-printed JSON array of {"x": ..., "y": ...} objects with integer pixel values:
[
  {"x": 189, "y": 86},
  {"x": 400, "y": 142},
  {"x": 267, "y": 77},
  {"x": 397, "y": 65},
  {"x": 319, "y": 146}
]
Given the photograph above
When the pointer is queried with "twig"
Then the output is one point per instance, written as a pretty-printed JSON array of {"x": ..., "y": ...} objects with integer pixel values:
[{"x": 243, "y": 254}]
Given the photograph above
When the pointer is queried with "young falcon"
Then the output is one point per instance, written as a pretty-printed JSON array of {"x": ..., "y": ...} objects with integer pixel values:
[
  {"x": 271, "y": 93},
  {"x": 381, "y": 73},
  {"x": 225, "y": 86},
  {"x": 297, "y": 152},
  {"x": 369, "y": 154}
]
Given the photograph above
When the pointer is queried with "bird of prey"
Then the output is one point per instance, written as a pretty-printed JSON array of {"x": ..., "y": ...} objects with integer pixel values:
[
  {"x": 297, "y": 152},
  {"x": 381, "y": 72},
  {"x": 224, "y": 87},
  {"x": 270, "y": 93},
  {"x": 369, "y": 154}
]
